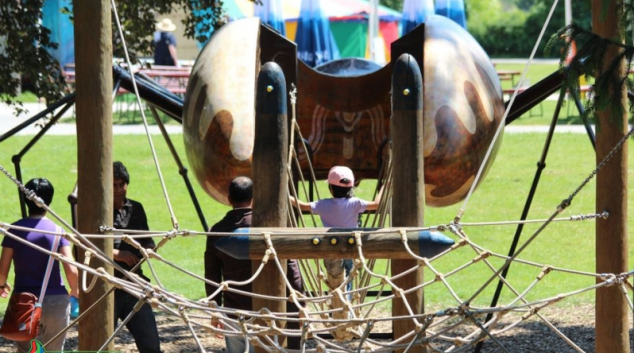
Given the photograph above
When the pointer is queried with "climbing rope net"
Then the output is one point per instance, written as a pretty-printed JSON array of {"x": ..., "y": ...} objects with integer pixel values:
[
  {"x": 328, "y": 310},
  {"x": 332, "y": 317}
]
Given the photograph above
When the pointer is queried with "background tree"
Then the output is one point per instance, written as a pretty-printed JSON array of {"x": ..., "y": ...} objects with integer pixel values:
[
  {"x": 508, "y": 29},
  {"x": 393, "y": 4}
]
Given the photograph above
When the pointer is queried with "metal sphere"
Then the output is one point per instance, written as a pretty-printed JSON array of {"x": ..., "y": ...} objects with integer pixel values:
[{"x": 343, "y": 110}]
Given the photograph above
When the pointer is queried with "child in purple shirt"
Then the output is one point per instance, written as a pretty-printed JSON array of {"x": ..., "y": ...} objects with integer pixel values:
[{"x": 340, "y": 211}]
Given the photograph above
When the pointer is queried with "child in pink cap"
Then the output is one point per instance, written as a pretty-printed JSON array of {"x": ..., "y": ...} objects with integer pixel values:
[
  {"x": 340, "y": 211},
  {"x": 343, "y": 209}
]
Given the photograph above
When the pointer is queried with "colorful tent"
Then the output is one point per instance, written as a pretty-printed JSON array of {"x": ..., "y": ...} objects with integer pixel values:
[
  {"x": 348, "y": 22},
  {"x": 237, "y": 9}
]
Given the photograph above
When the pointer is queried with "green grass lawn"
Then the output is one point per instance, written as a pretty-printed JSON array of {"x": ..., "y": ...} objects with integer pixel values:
[{"x": 500, "y": 197}]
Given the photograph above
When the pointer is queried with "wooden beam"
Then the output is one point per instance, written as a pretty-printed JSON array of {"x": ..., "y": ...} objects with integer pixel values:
[
  {"x": 270, "y": 179},
  {"x": 408, "y": 198},
  {"x": 379, "y": 244},
  {"x": 93, "y": 50},
  {"x": 611, "y": 326}
]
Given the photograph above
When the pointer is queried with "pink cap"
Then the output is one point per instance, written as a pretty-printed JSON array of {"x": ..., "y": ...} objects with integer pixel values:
[{"x": 337, "y": 173}]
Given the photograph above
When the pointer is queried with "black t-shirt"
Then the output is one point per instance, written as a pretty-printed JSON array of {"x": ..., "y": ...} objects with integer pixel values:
[{"x": 131, "y": 216}]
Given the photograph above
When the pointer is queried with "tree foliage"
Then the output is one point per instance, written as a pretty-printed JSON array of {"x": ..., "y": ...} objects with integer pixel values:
[
  {"x": 393, "y": 4},
  {"x": 589, "y": 61},
  {"x": 25, "y": 43},
  {"x": 510, "y": 31}
]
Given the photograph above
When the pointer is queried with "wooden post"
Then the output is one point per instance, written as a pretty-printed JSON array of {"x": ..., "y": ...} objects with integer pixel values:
[
  {"x": 270, "y": 178},
  {"x": 93, "y": 49},
  {"x": 611, "y": 325},
  {"x": 408, "y": 198}
]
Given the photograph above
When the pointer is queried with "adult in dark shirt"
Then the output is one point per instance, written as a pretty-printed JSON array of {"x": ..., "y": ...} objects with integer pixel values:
[
  {"x": 220, "y": 266},
  {"x": 165, "y": 43},
  {"x": 129, "y": 214}
]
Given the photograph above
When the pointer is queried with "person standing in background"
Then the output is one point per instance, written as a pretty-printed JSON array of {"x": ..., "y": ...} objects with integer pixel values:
[
  {"x": 129, "y": 214},
  {"x": 165, "y": 43},
  {"x": 222, "y": 267}
]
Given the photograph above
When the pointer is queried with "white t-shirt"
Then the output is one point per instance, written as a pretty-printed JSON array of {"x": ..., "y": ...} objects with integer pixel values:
[{"x": 340, "y": 212}]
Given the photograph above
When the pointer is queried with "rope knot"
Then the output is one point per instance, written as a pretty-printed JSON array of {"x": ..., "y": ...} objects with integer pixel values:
[
  {"x": 154, "y": 303},
  {"x": 545, "y": 270},
  {"x": 403, "y": 234},
  {"x": 171, "y": 234},
  {"x": 482, "y": 256}
]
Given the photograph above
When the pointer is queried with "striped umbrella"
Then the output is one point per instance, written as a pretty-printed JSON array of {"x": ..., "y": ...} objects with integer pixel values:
[{"x": 414, "y": 13}]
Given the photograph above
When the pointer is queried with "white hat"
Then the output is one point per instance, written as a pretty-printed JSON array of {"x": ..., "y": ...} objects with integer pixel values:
[{"x": 165, "y": 25}]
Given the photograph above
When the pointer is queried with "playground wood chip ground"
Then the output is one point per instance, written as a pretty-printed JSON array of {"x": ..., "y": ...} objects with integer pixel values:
[{"x": 577, "y": 323}]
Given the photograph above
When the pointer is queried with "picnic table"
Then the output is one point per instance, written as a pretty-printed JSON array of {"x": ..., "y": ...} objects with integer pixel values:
[
  {"x": 174, "y": 80},
  {"x": 508, "y": 75}
]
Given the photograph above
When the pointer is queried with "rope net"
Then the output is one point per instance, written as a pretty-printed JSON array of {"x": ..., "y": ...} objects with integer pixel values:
[
  {"x": 351, "y": 316},
  {"x": 337, "y": 317}
]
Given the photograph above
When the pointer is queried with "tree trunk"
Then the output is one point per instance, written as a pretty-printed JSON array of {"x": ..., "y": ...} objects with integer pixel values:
[
  {"x": 93, "y": 42},
  {"x": 611, "y": 325}
]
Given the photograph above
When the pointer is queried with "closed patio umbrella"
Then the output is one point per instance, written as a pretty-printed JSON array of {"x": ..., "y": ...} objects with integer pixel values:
[
  {"x": 270, "y": 12},
  {"x": 315, "y": 42},
  {"x": 414, "y": 13},
  {"x": 454, "y": 9}
]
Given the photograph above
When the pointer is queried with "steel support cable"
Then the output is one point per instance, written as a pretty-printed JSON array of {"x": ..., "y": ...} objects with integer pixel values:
[
  {"x": 506, "y": 112},
  {"x": 584, "y": 117},
  {"x": 145, "y": 123},
  {"x": 541, "y": 164},
  {"x": 182, "y": 170}
]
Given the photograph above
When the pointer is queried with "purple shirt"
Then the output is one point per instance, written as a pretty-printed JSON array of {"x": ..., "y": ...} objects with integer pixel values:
[
  {"x": 339, "y": 212},
  {"x": 29, "y": 263}
]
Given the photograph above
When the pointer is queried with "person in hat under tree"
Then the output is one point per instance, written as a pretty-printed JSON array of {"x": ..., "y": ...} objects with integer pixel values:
[{"x": 165, "y": 43}]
